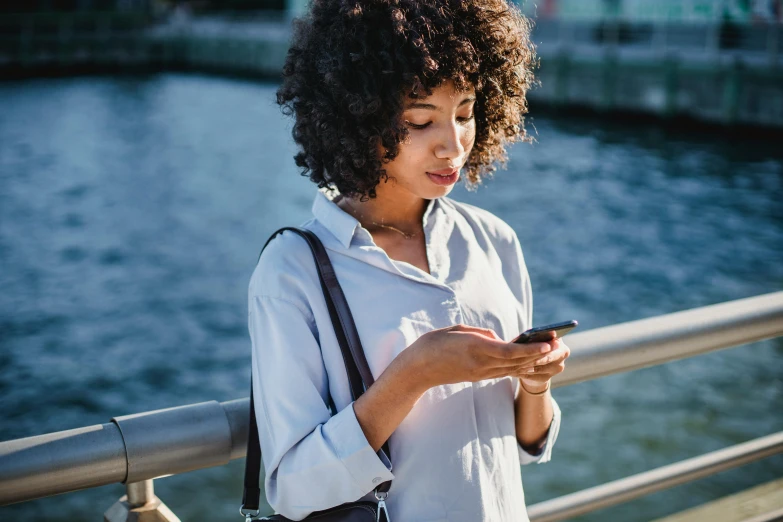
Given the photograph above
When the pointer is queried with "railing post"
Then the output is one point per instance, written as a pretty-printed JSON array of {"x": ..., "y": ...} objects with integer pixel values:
[{"x": 139, "y": 505}]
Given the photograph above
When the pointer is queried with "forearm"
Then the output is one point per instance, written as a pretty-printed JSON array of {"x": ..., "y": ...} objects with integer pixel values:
[
  {"x": 533, "y": 417},
  {"x": 388, "y": 401}
]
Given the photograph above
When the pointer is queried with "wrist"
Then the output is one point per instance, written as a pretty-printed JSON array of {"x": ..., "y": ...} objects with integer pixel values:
[
  {"x": 411, "y": 373},
  {"x": 534, "y": 387}
]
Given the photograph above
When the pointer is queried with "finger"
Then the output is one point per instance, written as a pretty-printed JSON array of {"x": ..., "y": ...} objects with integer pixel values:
[
  {"x": 511, "y": 366},
  {"x": 547, "y": 370},
  {"x": 514, "y": 367},
  {"x": 499, "y": 373},
  {"x": 515, "y": 351},
  {"x": 510, "y": 369},
  {"x": 561, "y": 354}
]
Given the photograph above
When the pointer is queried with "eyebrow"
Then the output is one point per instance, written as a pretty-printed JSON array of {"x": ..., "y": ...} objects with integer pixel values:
[{"x": 420, "y": 105}]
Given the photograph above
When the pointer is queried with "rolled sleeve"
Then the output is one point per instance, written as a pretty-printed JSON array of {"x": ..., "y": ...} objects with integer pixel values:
[
  {"x": 353, "y": 449},
  {"x": 312, "y": 461},
  {"x": 545, "y": 453}
]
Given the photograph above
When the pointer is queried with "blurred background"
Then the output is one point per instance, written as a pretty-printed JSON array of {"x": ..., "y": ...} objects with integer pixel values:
[{"x": 144, "y": 163}]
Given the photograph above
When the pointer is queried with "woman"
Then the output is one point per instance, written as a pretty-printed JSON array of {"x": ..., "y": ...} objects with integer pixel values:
[{"x": 394, "y": 102}]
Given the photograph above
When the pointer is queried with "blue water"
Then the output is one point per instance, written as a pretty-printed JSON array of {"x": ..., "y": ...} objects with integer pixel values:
[{"x": 132, "y": 211}]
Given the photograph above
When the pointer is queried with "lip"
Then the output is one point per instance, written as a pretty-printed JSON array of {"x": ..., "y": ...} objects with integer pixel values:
[
  {"x": 443, "y": 172},
  {"x": 446, "y": 180}
]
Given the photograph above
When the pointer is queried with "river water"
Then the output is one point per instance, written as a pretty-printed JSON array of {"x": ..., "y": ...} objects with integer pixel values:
[{"x": 132, "y": 210}]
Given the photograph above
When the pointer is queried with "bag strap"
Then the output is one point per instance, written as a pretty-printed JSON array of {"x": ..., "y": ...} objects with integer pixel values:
[{"x": 359, "y": 375}]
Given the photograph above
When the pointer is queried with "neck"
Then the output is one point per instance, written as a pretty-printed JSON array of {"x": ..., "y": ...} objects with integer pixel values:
[{"x": 404, "y": 215}]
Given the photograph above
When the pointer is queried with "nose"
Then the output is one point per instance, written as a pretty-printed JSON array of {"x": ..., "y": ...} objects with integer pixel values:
[{"x": 450, "y": 141}]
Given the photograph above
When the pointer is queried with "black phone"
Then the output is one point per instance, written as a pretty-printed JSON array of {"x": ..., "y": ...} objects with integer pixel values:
[{"x": 541, "y": 334}]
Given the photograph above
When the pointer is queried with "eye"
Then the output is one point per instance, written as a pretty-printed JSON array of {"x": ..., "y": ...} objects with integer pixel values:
[
  {"x": 465, "y": 120},
  {"x": 425, "y": 125},
  {"x": 418, "y": 126}
]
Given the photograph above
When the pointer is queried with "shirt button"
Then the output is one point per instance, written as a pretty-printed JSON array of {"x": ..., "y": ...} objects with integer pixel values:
[{"x": 376, "y": 480}]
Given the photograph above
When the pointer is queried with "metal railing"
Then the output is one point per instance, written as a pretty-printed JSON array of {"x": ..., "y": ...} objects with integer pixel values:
[
  {"x": 629, "y": 488},
  {"x": 136, "y": 448}
]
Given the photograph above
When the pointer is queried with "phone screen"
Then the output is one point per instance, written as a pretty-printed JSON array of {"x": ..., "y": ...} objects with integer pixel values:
[{"x": 542, "y": 334}]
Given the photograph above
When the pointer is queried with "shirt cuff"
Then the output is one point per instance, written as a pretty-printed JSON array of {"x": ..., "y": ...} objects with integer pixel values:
[
  {"x": 350, "y": 444},
  {"x": 545, "y": 453}
]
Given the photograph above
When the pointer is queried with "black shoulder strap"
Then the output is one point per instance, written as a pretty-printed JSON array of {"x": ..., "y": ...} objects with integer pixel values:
[{"x": 359, "y": 375}]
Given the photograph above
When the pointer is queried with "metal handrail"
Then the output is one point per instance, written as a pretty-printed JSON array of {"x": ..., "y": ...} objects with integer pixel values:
[
  {"x": 127, "y": 450},
  {"x": 629, "y": 488},
  {"x": 657, "y": 340},
  {"x": 175, "y": 440}
]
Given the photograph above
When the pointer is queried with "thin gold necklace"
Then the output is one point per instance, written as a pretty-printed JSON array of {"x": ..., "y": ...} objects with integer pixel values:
[{"x": 405, "y": 234}]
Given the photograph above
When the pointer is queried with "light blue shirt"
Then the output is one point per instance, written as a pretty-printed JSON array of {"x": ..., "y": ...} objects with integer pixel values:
[{"x": 455, "y": 457}]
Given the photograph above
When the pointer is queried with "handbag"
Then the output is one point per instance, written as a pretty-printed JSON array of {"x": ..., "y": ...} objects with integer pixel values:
[{"x": 359, "y": 379}]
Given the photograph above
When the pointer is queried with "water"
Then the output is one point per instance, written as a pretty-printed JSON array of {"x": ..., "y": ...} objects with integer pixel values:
[{"x": 132, "y": 210}]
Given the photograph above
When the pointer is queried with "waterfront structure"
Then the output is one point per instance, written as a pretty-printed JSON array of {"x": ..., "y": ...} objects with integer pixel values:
[
  {"x": 681, "y": 11},
  {"x": 617, "y": 56},
  {"x": 136, "y": 449}
]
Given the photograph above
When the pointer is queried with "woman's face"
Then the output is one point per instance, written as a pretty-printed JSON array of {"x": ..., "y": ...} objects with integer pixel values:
[{"x": 442, "y": 131}]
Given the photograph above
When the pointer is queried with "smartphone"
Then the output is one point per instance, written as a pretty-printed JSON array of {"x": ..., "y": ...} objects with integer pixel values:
[{"x": 542, "y": 334}]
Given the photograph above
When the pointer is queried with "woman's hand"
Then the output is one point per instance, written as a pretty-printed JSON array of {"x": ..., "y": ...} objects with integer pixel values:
[
  {"x": 449, "y": 355},
  {"x": 536, "y": 378},
  {"x": 463, "y": 353}
]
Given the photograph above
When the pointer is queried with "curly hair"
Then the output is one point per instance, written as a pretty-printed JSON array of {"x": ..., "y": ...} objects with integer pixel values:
[{"x": 352, "y": 62}]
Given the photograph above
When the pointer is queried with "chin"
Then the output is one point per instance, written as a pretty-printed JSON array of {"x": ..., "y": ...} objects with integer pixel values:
[{"x": 436, "y": 192}]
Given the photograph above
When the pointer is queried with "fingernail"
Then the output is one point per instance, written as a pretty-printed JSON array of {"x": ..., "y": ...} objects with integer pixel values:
[
  {"x": 545, "y": 349},
  {"x": 531, "y": 370}
]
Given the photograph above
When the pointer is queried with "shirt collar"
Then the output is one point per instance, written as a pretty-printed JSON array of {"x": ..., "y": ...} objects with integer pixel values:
[{"x": 341, "y": 224}]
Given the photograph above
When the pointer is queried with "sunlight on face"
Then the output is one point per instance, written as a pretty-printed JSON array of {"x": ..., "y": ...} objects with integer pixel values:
[{"x": 442, "y": 131}]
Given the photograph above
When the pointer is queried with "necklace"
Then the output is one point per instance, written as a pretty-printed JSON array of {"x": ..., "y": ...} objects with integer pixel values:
[{"x": 405, "y": 234}]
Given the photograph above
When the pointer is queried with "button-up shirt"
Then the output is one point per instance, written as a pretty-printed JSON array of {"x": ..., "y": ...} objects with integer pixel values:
[{"x": 455, "y": 457}]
